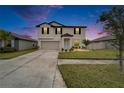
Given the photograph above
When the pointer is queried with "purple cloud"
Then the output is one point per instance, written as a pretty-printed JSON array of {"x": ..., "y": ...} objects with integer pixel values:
[
  {"x": 33, "y": 15},
  {"x": 30, "y": 31}
]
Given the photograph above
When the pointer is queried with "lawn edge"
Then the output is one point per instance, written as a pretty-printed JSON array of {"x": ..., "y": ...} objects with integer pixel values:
[
  {"x": 18, "y": 55},
  {"x": 84, "y": 87},
  {"x": 62, "y": 75}
]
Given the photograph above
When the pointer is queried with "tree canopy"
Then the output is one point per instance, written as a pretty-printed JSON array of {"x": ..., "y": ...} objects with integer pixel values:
[{"x": 114, "y": 25}]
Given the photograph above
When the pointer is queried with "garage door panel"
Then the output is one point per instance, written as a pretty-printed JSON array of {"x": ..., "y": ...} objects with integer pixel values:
[{"x": 50, "y": 45}]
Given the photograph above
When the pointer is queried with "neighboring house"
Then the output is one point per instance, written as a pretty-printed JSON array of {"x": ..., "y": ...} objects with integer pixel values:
[
  {"x": 101, "y": 43},
  {"x": 20, "y": 42},
  {"x": 55, "y": 36}
]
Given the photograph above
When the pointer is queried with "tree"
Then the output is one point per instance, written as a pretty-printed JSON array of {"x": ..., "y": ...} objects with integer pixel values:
[
  {"x": 86, "y": 42},
  {"x": 113, "y": 21},
  {"x": 5, "y": 36}
]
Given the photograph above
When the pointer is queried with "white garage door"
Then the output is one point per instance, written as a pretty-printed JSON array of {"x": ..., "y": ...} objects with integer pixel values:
[{"x": 50, "y": 45}]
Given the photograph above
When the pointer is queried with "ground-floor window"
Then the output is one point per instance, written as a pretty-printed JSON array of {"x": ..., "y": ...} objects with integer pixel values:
[{"x": 8, "y": 43}]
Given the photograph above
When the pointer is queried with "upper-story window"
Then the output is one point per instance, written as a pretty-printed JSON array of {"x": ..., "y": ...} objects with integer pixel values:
[
  {"x": 58, "y": 31},
  {"x": 45, "y": 30},
  {"x": 77, "y": 30}
]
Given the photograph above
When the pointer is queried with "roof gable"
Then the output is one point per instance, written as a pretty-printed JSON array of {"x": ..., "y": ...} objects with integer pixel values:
[
  {"x": 70, "y": 26},
  {"x": 23, "y": 37},
  {"x": 42, "y": 24},
  {"x": 52, "y": 23},
  {"x": 66, "y": 35},
  {"x": 55, "y": 23}
]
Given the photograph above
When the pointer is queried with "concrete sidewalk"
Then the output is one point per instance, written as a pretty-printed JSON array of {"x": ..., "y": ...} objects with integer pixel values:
[{"x": 78, "y": 61}]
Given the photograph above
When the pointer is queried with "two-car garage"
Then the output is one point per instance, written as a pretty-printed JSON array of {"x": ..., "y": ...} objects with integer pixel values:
[{"x": 50, "y": 45}]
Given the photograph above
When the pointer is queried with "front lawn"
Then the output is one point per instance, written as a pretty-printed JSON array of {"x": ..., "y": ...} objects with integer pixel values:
[
  {"x": 92, "y": 76},
  {"x": 103, "y": 53},
  {"x": 15, "y": 54}
]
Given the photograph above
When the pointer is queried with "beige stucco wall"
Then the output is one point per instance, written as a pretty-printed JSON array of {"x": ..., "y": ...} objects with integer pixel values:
[
  {"x": 1, "y": 43},
  {"x": 21, "y": 44},
  {"x": 100, "y": 45},
  {"x": 25, "y": 44},
  {"x": 97, "y": 45},
  {"x": 57, "y": 37}
]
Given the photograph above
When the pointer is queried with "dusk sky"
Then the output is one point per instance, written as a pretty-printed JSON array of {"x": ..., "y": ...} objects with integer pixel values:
[{"x": 23, "y": 19}]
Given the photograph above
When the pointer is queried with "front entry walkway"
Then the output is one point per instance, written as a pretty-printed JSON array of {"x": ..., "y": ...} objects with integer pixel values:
[{"x": 34, "y": 70}]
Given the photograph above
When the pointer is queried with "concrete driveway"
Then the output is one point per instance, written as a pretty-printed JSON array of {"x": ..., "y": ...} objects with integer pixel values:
[{"x": 37, "y": 69}]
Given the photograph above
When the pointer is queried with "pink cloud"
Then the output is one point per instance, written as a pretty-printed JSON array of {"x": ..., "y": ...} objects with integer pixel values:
[{"x": 93, "y": 32}]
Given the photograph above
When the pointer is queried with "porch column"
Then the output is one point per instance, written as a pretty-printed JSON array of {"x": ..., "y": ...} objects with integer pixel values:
[
  {"x": 60, "y": 44},
  {"x": 71, "y": 43},
  {"x": 2, "y": 43},
  {"x": 12, "y": 43},
  {"x": 39, "y": 44},
  {"x": 63, "y": 43}
]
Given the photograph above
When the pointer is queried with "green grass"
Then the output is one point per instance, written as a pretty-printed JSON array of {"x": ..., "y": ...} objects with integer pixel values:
[
  {"x": 103, "y": 53},
  {"x": 15, "y": 54},
  {"x": 92, "y": 76}
]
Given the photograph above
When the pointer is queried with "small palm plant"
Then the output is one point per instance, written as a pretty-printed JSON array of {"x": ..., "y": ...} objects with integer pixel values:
[{"x": 5, "y": 36}]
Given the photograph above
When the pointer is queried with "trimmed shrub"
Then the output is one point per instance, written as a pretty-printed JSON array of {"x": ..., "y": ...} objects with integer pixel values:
[
  {"x": 65, "y": 50},
  {"x": 7, "y": 50},
  {"x": 71, "y": 49},
  {"x": 62, "y": 49}
]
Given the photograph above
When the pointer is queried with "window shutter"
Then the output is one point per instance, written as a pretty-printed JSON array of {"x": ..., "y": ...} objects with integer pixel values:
[
  {"x": 55, "y": 30},
  {"x": 61, "y": 30},
  {"x": 74, "y": 31},
  {"x": 42, "y": 30},
  {"x": 47, "y": 30},
  {"x": 79, "y": 30}
]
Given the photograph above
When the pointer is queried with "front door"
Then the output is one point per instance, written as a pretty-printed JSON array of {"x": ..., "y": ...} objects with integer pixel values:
[{"x": 66, "y": 44}]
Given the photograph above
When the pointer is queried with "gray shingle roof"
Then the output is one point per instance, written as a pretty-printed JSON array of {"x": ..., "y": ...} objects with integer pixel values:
[
  {"x": 23, "y": 37},
  {"x": 105, "y": 38},
  {"x": 61, "y": 25},
  {"x": 49, "y": 23}
]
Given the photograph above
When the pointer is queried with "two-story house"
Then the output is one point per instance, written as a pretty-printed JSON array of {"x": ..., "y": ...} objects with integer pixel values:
[{"x": 55, "y": 36}]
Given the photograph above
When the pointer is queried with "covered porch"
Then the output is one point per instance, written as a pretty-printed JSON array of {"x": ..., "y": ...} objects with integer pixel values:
[
  {"x": 66, "y": 41},
  {"x": 9, "y": 43}
]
